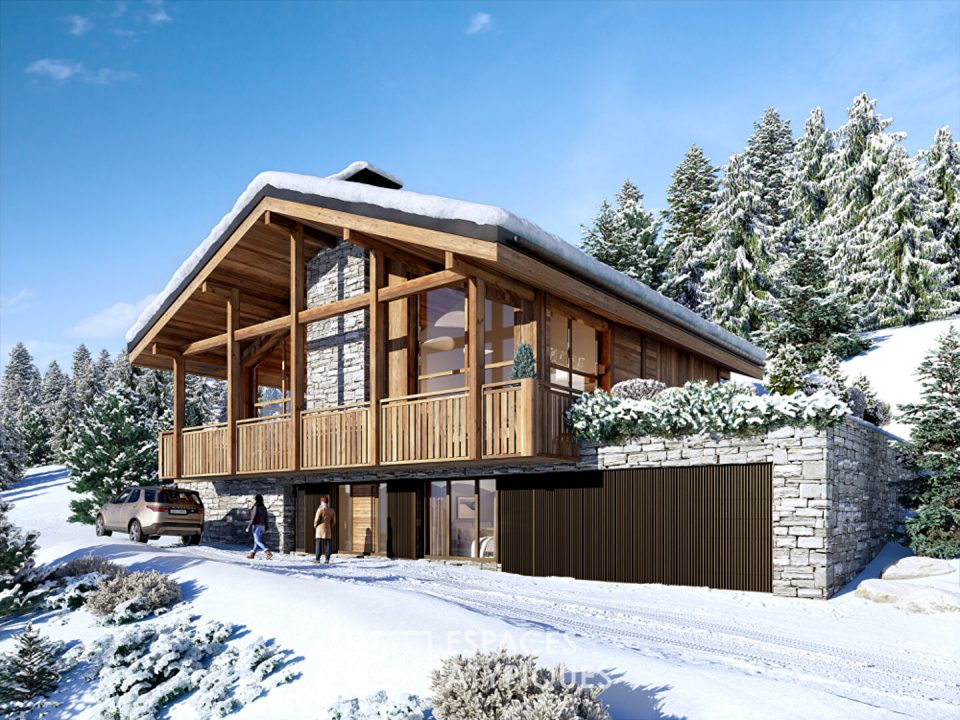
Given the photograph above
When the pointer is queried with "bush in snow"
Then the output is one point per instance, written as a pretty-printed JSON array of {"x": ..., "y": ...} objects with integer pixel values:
[
  {"x": 89, "y": 564},
  {"x": 637, "y": 389},
  {"x": 132, "y": 596},
  {"x": 695, "y": 408},
  {"x": 71, "y": 583},
  {"x": 18, "y": 579},
  {"x": 30, "y": 674},
  {"x": 143, "y": 669},
  {"x": 500, "y": 686},
  {"x": 854, "y": 397},
  {"x": 785, "y": 371},
  {"x": 934, "y": 493},
  {"x": 379, "y": 706}
]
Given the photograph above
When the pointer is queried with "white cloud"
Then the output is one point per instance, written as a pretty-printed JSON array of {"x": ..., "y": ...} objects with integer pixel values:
[
  {"x": 112, "y": 321},
  {"x": 79, "y": 25},
  {"x": 480, "y": 22},
  {"x": 62, "y": 71},
  {"x": 15, "y": 303},
  {"x": 157, "y": 15}
]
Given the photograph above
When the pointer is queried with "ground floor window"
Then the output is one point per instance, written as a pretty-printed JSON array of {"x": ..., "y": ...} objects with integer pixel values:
[{"x": 461, "y": 518}]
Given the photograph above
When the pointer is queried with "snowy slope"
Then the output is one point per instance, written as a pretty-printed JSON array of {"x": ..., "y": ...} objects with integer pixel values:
[
  {"x": 363, "y": 625},
  {"x": 892, "y": 361}
]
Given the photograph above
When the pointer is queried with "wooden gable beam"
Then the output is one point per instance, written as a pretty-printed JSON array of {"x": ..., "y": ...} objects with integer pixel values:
[
  {"x": 284, "y": 227},
  {"x": 260, "y": 349},
  {"x": 389, "y": 251},
  {"x": 443, "y": 278}
]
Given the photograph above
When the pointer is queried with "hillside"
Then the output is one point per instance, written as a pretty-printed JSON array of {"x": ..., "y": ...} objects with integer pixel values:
[{"x": 891, "y": 363}]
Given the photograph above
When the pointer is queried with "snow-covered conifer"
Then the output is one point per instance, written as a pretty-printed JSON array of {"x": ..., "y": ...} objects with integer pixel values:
[
  {"x": 807, "y": 312},
  {"x": 16, "y": 560},
  {"x": 907, "y": 265},
  {"x": 20, "y": 384},
  {"x": 29, "y": 675},
  {"x": 84, "y": 379},
  {"x": 785, "y": 370},
  {"x": 12, "y": 455},
  {"x": 524, "y": 364},
  {"x": 934, "y": 493},
  {"x": 737, "y": 285},
  {"x": 687, "y": 234},
  {"x": 940, "y": 184},
  {"x": 829, "y": 368},
  {"x": 50, "y": 389},
  {"x": 103, "y": 368},
  {"x": 63, "y": 422},
  {"x": 853, "y": 170},
  {"x": 35, "y": 432},
  {"x": 625, "y": 237},
  {"x": 769, "y": 154}
]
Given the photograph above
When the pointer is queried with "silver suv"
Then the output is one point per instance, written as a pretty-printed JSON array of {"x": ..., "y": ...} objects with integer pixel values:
[{"x": 146, "y": 513}]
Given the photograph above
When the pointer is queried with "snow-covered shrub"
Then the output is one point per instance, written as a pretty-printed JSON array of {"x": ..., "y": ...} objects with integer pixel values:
[
  {"x": 875, "y": 410},
  {"x": 31, "y": 674},
  {"x": 142, "y": 669},
  {"x": 132, "y": 596},
  {"x": 379, "y": 706},
  {"x": 500, "y": 686},
  {"x": 18, "y": 577},
  {"x": 785, "y": 370},
  {"x": 637, "y": 389},
  {"x": 524, "y": 365},
  {"x": 695, "y": 408},
  {"x": 89, "y": 564},
  {"x": 854, "y": 397},
  {"x": 814, "y": 382}
]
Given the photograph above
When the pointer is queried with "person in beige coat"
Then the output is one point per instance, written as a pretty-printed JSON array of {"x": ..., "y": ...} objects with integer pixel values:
[{"x": 324, "y": 522}]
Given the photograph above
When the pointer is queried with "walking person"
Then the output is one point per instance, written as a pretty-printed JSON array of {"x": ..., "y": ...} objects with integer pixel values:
[
  {"x": 258, "y": 523},
  {"x": 324, "y": 522}
]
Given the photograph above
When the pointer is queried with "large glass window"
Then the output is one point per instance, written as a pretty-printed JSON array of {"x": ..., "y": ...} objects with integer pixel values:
[
  {"x": 461, "y": 517},
  {"x": 574, "y": 353},
  {"x": 442, "y": 356},
  {"x": 499, "y": 321},
  {"x": 486, "y": 499}
]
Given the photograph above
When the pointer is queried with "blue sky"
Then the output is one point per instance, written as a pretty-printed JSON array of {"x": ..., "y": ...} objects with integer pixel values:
[{"x": 128, "y": 129}]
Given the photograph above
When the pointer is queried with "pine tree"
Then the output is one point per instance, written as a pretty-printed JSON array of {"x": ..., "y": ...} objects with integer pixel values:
[
  {"x": 807, "y": 197},
  {"x": 906, "y": 265},
  {"x": 63, "y": 422},
  {"x": 35, "y": 432},
  {"x": 116, "y": 446},
  {"x": 50, "y": 389},
  {"x": 16, "y": 560},
  {"x": 103, "y": 369},
  {"x": 807, "y": 314},
  {"x": 934, "y": 493},
  {"x": 201, "y": 403},
  {"x": 12, "y": 455},
  {"x": 829, "y": 368},
  {"x": 737, "y": 285},
  {"x": 84, "y": 379},
  {"x": 940, "y": 184},
  {"x": 785, "y": 370},
  {"x": 625, "y": 238},
  {"x": 524, "y": 365},
  {"x": 20, "y": 384},
  {"x": 769, "y": 155},
  {"x": 687, "y": 236},
  {"x": 28, "y": 676},
  {"x": 853, "y": 170}
]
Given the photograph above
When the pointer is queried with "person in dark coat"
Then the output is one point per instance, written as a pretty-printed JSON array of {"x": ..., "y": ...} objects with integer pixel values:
[
  {"x": 324, "y": 522},
  {"x": 258, "y": 524}
]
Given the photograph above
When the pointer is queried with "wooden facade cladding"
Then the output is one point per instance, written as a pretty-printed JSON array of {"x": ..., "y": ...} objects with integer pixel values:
[
  {"x": 243, "y": 318},
  {"x": 702, "y": 526}
]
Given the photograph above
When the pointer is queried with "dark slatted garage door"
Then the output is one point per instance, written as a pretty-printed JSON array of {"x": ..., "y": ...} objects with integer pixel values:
[{"x": 680, "y": 526}]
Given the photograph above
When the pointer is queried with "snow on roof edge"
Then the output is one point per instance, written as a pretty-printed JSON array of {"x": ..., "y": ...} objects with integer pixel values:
[{"x": 440, "y": 208}]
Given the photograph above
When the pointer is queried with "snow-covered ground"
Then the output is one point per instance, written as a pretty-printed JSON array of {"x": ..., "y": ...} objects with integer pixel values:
[
  {"x": 362, "y": 625},
  {"x": 891, "y": 363}
]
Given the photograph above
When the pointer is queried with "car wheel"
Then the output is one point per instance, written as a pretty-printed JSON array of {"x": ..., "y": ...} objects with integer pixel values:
[
  {"x": 190, "y": 539},
  {"x": 136, "y": 532},
  {"x": 101, "y": 528}
]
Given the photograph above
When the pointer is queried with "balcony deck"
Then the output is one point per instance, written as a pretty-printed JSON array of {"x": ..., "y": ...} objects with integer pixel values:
[{"x": 521, "y": 419}]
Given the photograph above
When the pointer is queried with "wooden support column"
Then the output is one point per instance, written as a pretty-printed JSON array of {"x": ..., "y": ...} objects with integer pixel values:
[
  {"x": 297, "y": 342},
  {"x": 476, "y": 300},
  {"x": 376, "y": 340},
  {"x": 179, "y": 403},
  {"x": 234, "y": 380}
]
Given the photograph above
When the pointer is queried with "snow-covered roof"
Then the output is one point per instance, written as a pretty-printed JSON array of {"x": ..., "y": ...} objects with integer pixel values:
[
  {"x": 457, "y": 216},
  {"x": 361, "y": 168}
]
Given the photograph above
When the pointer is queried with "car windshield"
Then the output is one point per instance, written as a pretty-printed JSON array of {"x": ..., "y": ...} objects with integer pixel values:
[{"x": 179, "y": 496}]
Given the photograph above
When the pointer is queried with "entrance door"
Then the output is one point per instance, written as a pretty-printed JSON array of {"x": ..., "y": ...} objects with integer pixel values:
[{"x": 461, "y": 518}]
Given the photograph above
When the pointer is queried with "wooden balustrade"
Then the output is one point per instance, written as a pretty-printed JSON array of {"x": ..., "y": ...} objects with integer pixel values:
[
  {"x": 521, "y": 418},
  {"x": 508, "y": 418},
  {"x": 205, "y": 450},
  {"x": 166, "y": 460},
  {"x": 263, "y": 444},
  {"x": 556, "y": 440},
  {"x": 335, "y": 437},
  {"x": 425, "y": 427}
]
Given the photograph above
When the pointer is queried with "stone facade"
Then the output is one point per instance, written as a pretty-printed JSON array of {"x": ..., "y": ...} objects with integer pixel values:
[
  {"x": 834, "y": 500},
  {"x": 337, "y": 347}
]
